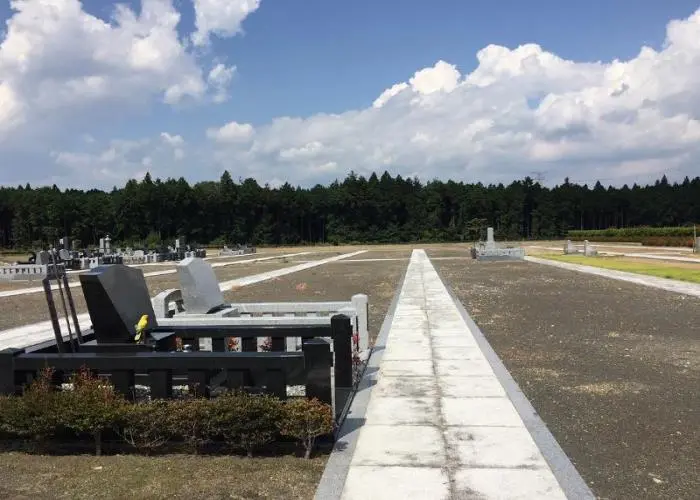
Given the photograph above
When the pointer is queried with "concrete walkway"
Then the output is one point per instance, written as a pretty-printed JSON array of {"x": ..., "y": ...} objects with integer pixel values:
[{"x": 439, "y": 423}]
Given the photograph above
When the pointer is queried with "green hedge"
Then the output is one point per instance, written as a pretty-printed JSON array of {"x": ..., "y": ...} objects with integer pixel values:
[
  {"x": 92, "y": 408},
  {"x": 653, "y": 236}
]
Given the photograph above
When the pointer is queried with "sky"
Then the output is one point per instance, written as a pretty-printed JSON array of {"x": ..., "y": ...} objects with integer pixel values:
[{"x": 94, "y": 93}]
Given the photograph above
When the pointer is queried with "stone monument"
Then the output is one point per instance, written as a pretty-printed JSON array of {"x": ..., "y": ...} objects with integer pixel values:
[{"x": 199, "y": 285}]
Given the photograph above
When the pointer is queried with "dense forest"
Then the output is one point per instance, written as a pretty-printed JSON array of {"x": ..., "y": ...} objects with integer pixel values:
[{"x": 358, "y": 209}]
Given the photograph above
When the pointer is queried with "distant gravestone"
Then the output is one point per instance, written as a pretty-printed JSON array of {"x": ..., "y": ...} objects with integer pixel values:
[
  {"x": 589, "y": 250},
  {"x": 696, "y": 248},
  {"x": 43, "y": 258},
  {"x": 139, "y": 253},
  {"x": 490, "y": 241},
  {"x": 569, "y": 248},
  {"x": 199, "y": 286}
]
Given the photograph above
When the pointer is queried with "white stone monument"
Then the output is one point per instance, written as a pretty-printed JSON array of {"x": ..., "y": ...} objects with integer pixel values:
[
  {"x": 589, "y": 250},
  {"x": 490, "y": 241},
  {"x": 200, "y": 288}
]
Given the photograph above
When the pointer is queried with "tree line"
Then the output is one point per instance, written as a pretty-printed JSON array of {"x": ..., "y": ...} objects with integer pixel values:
[{"x": 374, "y": 209}]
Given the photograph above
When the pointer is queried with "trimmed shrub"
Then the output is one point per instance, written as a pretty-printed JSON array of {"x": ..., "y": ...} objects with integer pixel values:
[
  {"x": 92, "y": 407},
  {"x": 146, "y": 426},
  {"x": 247, "y": 422},
  {"x": 38, "y": 414},
  {"x": 306, "y": 420},
  {"x": 193, "y": 420}
]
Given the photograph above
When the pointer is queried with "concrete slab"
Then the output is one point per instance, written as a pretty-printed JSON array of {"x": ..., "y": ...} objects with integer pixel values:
[
  {"x": 470, "y": 387},
  {"x": 396, "y": 444},
  {"x": 388, "y": 410},
  {"x": 384, "y": 483},
  {"x": 507, "y": 484},
  {"x": 480, "y": 411}
]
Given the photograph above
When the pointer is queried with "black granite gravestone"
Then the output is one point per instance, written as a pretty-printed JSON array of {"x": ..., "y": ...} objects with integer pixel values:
[{"x": 116, "y": 298}]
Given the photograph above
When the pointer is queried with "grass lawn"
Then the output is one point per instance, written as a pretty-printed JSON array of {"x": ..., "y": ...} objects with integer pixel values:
[
  {"x": 24, "y": 475},
  {"x": 681, "y": 272}
]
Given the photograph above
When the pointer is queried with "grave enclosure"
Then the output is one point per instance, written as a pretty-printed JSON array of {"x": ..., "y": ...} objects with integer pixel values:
[
  {"x": 192, "y": 348},
  {"x": 489, "y": 250}
]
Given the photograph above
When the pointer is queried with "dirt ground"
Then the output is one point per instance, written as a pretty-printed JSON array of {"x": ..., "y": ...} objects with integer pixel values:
[
  {"x": 25, "y": 476},
  {"x": 613, "y": 369},
  {"x": 334, "y": 281},
  {"x": 26, "y": 309}
]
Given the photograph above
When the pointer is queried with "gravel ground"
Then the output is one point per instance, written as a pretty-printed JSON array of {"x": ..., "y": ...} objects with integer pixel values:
[
  {"x": 333, "y": 281},
  {"x": 27, "y": 309},
  {"x": 613, "y": 369}
]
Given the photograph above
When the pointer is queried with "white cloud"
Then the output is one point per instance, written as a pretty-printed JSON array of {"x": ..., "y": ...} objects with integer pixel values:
[
  {"x": 219, "y": 79},
  {"x": 59, "y": 63},
  {"x": 173, "y": 140},
  {"x": 220, "y": 17},
  {"x": 520, "y": 110},
  {"x": 120, "y": 160},
  {"x": 232, "y": 132}
]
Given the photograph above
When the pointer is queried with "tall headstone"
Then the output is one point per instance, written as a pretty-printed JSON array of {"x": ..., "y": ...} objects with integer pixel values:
[
  {"x": 490, "y": 241},
  {"x": 43, "y": 258},
  {"x": 696, "y": 248},
  {"x": 108, "y": 245},
  {"x": 199, "y": 286},
  {"x": 116, "y": 298},
  {"x": 569, "y": 248}
]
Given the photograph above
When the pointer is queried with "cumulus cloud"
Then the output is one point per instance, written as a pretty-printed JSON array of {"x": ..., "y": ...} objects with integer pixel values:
[
  {"x": 520, "y": 110},
  {"x": 56, "y": 61},
  {"x": 220, "y": 17},
  {"x": 231, "y": 133},
  {"x": 120, "y": 160}
]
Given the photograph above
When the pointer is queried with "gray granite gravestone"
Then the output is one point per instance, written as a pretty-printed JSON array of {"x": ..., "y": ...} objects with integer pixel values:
[{"x": 200, "y": 288}]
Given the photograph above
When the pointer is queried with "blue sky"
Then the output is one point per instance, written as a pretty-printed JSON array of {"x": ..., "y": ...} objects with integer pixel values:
[{"x": 306, "y": 58}]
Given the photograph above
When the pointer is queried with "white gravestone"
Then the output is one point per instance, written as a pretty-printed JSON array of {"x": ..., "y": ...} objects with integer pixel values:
[
  {"x": 199, "y": 286},
  {"x": 490, "y": 242}
]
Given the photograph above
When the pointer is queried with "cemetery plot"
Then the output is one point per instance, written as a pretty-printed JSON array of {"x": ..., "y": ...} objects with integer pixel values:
[
  {"x": 171, "y": 266},
  {"x": 211, "y": 476},
  {"x": 611, "y": 367},
  {"x": 26, "y": 309},
  {"x": 331, "y": 282}
]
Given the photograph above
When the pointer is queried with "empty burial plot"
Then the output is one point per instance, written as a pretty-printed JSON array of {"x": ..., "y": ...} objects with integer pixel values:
[
  {"x": 330, "y": 282},
  {"x": 26, "y": 309},
  {"x": 613, "y": 369}
]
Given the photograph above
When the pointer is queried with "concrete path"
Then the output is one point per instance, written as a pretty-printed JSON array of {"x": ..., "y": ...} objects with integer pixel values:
[
  {"x": 439, "y": 423},
  {"x": 23, "y": 336},
  {"x": 683, "y": 287},
  {"x": 635, "y": 255}
]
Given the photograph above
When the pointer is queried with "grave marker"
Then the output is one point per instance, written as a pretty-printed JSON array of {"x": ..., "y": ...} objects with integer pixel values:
[{"x": 200, "y": 287}]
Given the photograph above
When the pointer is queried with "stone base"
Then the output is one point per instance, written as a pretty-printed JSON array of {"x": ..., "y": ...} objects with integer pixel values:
[{"x": 501, "y": 254}]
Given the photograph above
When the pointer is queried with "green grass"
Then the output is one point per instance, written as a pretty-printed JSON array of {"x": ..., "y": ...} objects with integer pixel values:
[{"x": 660, "y": 270}]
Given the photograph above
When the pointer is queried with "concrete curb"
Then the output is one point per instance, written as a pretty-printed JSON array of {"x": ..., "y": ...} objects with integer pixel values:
[
  {"x": 332, "y": 482},
  {"x": 563, "y": 469},
  {"x": 675, "y": 286}
]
